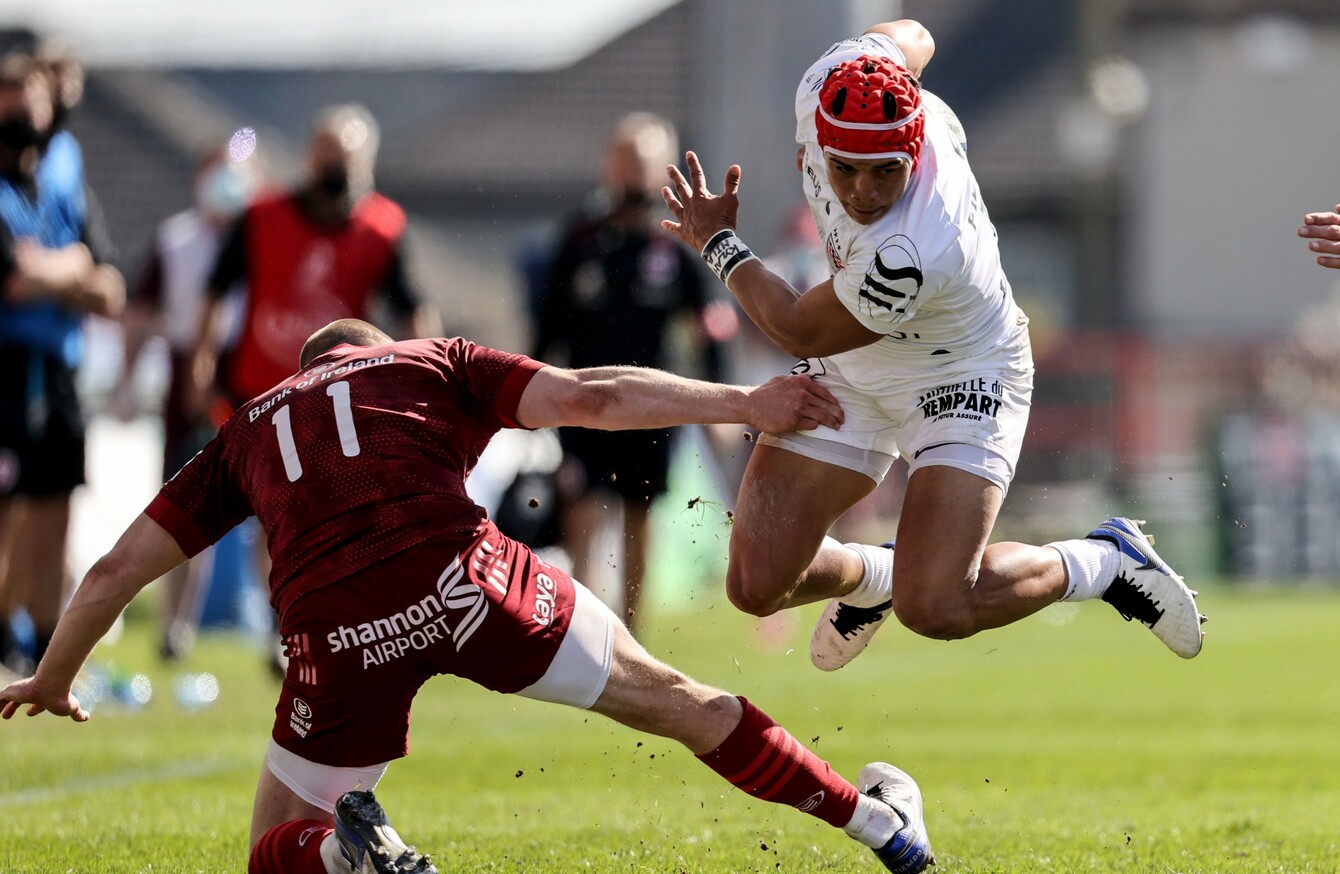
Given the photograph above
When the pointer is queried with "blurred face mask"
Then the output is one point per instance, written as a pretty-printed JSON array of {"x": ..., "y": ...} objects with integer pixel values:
[
  {"x": 18, "y": 132},
  {"x": 634, "y": 199},
  {"x": 223, "y": 192},
  {"x": 333, "y": 181}
]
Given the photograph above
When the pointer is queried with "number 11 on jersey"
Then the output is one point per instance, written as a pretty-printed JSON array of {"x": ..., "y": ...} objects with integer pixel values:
[{"x": 344, "y": 426}]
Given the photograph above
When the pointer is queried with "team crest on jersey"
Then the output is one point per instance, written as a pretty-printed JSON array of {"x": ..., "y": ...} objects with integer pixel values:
[
  {"x": 833, "y": 246},
  {"x": 894, "y": 279}
]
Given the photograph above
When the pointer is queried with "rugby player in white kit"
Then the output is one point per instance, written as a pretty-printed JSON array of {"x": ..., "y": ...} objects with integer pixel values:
[{"x": 918, "y": 335}]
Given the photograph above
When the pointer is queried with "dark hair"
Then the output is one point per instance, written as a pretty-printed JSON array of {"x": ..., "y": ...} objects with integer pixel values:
[{"x": 355, "y": 332}]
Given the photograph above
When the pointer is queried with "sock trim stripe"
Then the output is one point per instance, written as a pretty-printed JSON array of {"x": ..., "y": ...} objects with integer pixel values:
[
  {"x": 778, "y": 784},
  {"x": 777, "y": 760},
  {"x": 760, "y": 761}
]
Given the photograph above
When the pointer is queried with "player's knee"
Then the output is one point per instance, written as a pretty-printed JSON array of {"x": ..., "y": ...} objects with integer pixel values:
[
  {"x": 692, "y": 713},
  {"x": 752, "y": 594},
  {"x": 933, "y": 616}
]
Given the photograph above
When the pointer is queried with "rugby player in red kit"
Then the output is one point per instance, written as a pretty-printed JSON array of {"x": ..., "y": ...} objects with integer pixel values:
[{"x": 386, "y": 574}]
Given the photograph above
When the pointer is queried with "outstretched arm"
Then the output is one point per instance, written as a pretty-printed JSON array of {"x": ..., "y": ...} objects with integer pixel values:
[
  {"x": 1323, "y": 229},
  {"x": 914, "y": 39},
  {"x": 620, "y": 398},
  {"x": 804, "y": 325},
  {"x": 143, "y": 554}
]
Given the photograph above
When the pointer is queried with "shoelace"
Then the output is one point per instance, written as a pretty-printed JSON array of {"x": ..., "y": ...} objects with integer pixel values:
[
  {"x": 849, "y": 620},
  {"x": 1132, "y": 602}
]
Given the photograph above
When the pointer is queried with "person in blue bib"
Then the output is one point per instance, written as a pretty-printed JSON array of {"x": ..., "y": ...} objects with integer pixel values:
[{"x": 53, "y": 247}]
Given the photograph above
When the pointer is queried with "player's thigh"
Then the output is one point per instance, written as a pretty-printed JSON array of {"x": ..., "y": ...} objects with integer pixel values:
[
  {"x": 786, "y": 505},
  {"x": 600, "y": 667},
  {"x": 947, "y": 517}
]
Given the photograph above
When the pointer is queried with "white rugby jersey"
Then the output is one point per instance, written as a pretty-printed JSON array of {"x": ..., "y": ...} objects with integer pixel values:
[{"x": 927, "y": 274}]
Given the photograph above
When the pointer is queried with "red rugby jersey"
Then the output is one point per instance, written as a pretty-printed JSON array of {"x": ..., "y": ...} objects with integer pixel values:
[{"x": 359, "y": 456}]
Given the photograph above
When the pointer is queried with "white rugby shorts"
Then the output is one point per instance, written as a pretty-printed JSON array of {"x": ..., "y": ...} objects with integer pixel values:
[{"x": 971, "y": 415}]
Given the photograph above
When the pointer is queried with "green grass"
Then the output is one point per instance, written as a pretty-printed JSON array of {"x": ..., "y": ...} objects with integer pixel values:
[{"x": 1068, "y": 747}]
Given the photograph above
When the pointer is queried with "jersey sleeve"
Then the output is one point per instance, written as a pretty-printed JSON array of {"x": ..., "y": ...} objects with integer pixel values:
[
  {"x": 491, "y": 379},
  {"x": 556, "y": 311},
  {"x": 202, "y": 502},
  {"x": 94, "y": 232},
  {"x": 883, "y": 283},
  {"x": 398, "y": 290},
  {"x": 231, "y": 264},
  {"x": 807, "y": 93}
]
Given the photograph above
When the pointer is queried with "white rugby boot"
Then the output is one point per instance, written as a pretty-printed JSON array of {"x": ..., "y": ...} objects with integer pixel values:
[
  {"x": 369, "y": 844},
  {"x": 1148, "y": 590},
  {"x": 845, "y": 630},
  {"x": 909, "y": 850}
]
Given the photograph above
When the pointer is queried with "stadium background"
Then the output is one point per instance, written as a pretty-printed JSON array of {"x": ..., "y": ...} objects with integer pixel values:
[{"x": 1145, "y": 163}]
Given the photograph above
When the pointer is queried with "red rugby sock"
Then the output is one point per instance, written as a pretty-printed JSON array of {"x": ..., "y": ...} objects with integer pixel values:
[
  {"x": 763, "y": 759},
  {"x": 293, "y": 847}
]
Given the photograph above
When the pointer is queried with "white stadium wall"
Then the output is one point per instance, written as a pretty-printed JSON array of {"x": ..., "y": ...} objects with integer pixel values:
[{"x": 1239, "y": 142}]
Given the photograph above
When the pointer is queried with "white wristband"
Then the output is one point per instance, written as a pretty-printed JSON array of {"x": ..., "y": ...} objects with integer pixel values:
[{"x": 725, "y": 252}]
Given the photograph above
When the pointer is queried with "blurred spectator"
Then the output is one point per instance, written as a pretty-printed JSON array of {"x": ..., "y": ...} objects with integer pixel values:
[
  {"x": 52, "y": 249},
  {"x": 615, "y": 286},
  {"x": 322, "y": 252},
  {"x": 167, "y": 301},
  {"x": 1302, "y": 374},
  {"x": 327, "y": 250},
  {"x": 57, "y": 57},
  {"x": 1323, "y": 229},
  {"x": 60, "y": 150}
]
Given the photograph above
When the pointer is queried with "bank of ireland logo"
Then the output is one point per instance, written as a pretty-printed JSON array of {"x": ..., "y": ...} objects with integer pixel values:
[
  {"x": 893, "y": 281},
  {"x": 300, "y": 720}
]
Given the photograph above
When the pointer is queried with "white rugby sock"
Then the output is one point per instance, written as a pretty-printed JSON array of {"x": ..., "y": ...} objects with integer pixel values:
[
  {"x": 873, "y": 823},
  {"x": 876, "y": 585},
  {"x": 1090, "y": 567}
]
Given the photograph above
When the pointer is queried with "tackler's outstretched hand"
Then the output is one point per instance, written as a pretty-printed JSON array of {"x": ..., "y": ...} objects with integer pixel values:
[
  {"x": 698, "y": 213},
  {"x": 27, "y": 691},
  {"x": 1323, "y": 228},
  {"x": 793, "y": 403}
]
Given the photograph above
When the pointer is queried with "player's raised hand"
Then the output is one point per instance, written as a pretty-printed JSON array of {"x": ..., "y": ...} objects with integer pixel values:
[
  {"x": 1323, "y": 229},
  {"x": 699, "y": 213},
  {"x": 793, "y": 403},
  {"x": 21, "y": 692}
]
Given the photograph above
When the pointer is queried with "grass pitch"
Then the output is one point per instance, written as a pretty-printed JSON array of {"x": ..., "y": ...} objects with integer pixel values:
[{"x": 1068, "y": 742}]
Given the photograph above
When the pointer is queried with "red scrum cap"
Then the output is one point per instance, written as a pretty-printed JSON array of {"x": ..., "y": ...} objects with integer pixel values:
[{"x": 870, "y": 107}]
